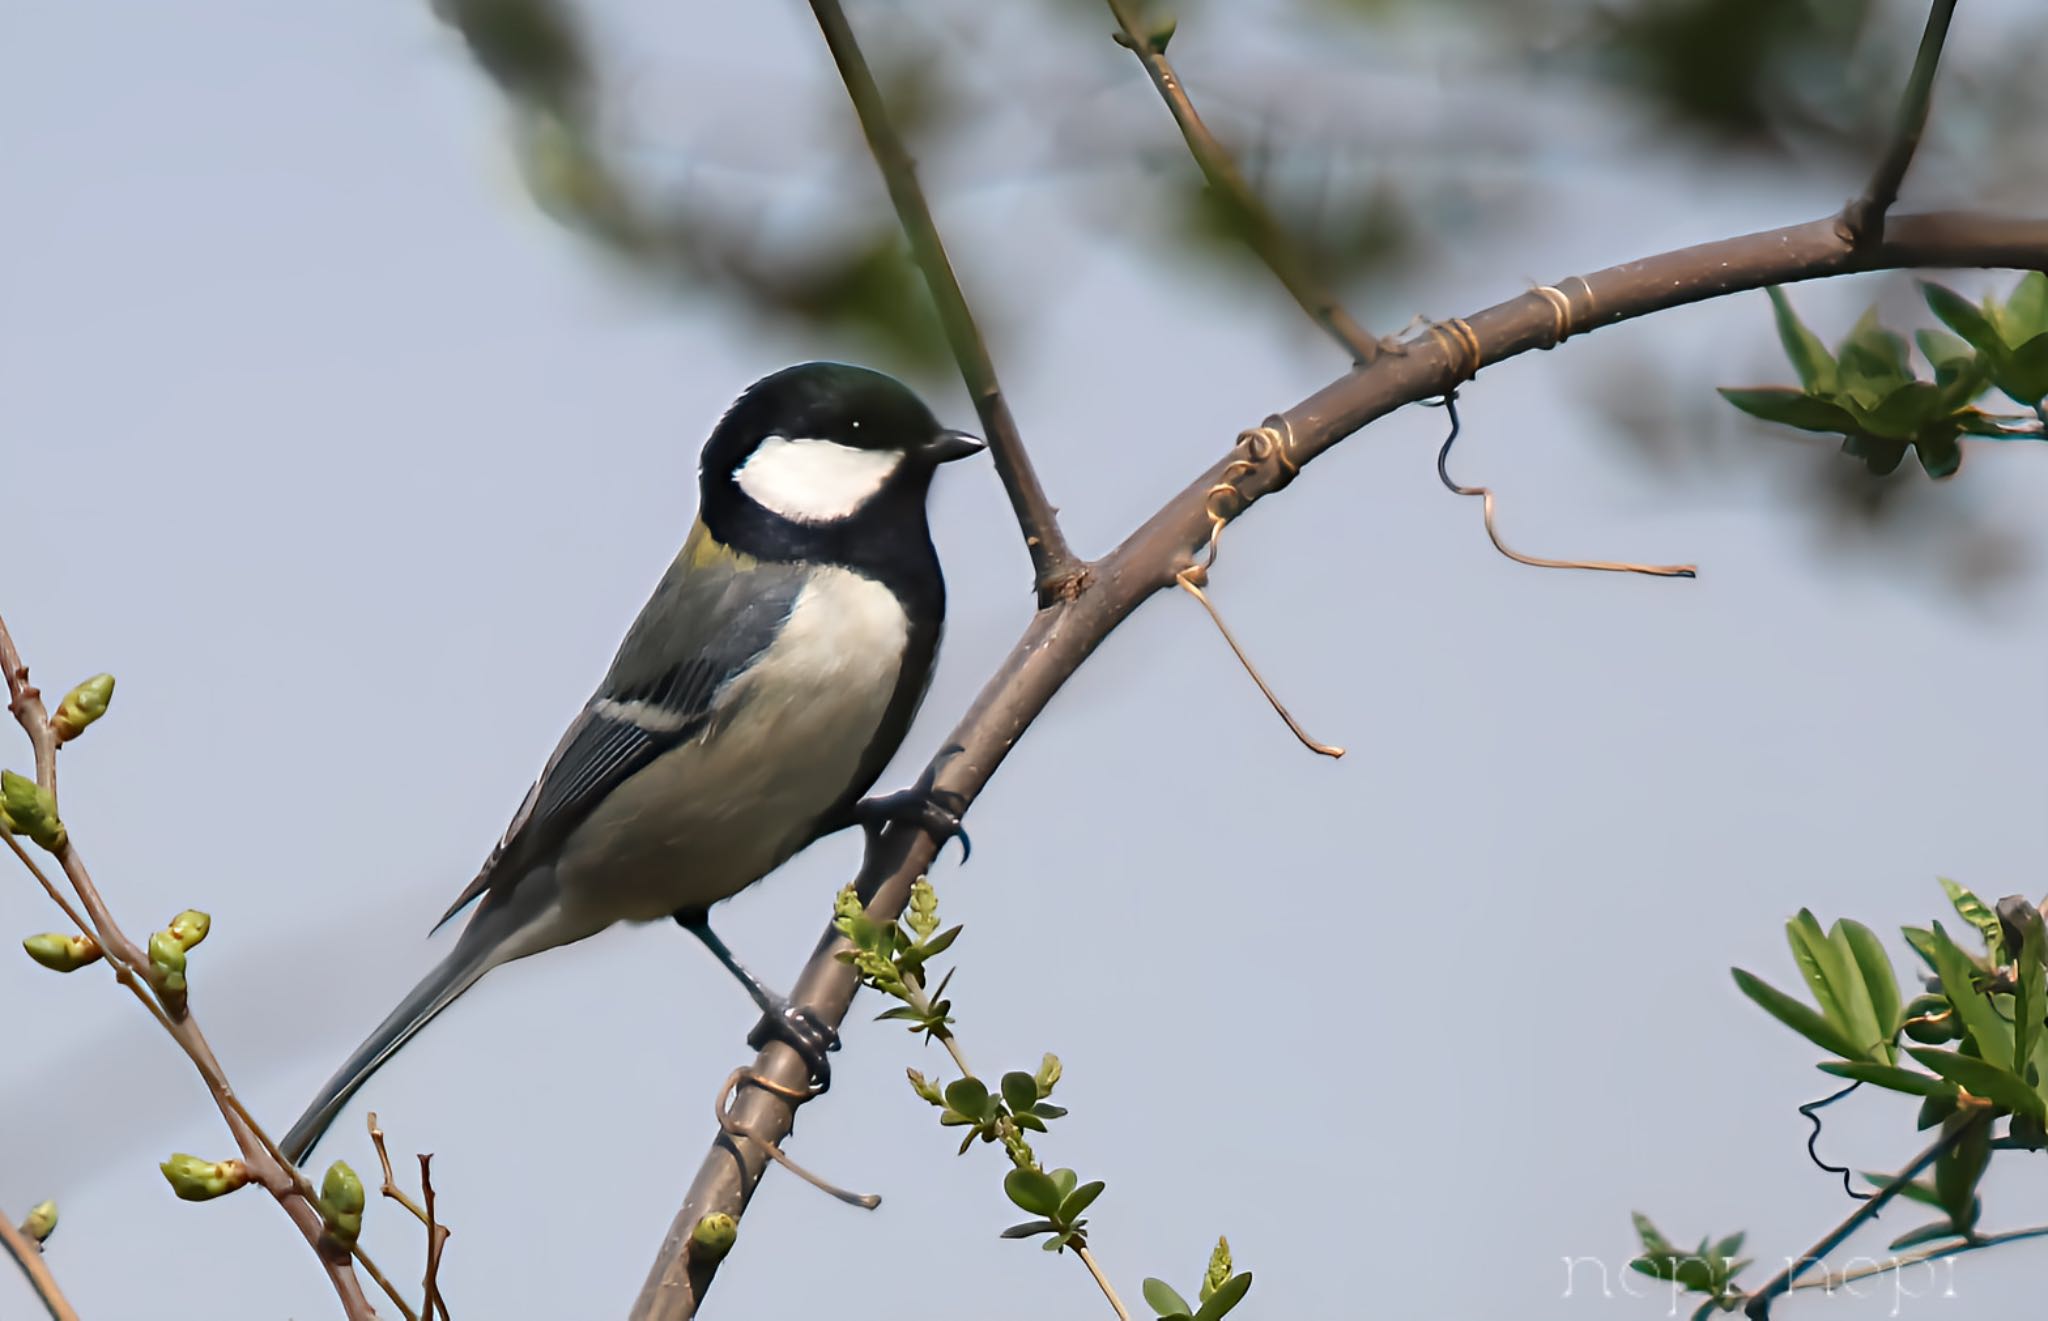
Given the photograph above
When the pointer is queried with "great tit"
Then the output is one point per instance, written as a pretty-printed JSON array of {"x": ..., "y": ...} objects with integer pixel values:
[{"x": 754, "y": 702}]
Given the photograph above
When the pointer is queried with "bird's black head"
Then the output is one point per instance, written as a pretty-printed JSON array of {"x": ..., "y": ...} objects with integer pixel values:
[{"x": 819, "y": 453}]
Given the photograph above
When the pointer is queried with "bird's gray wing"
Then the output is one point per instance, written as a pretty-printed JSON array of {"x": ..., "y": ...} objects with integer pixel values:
[{"x": 710, "y": 617}]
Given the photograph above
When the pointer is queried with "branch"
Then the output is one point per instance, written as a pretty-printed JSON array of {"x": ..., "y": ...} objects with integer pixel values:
[
  {"x": 28, "y": 1254},
  {"x": 1863, "y": 220},
  {"x": 1830, "y": 1283},
  {"x": 1758, "y": 1305},
  {"x": 132, "y": 968},
  {"x": 1261, "y": 231},
  {"x": 1063, "y": 635},
  {"x": 1058, "y": 571}
]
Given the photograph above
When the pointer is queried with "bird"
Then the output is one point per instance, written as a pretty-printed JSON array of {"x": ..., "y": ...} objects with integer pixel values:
[{"x": 752, "y": 705}]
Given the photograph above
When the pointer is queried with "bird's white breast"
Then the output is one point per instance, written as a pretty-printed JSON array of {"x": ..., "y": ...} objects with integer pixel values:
[{"x": 704, "y": 821}]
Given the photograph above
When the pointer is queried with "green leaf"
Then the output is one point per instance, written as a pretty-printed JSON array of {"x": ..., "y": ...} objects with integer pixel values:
[
  {"x": 1940, "y": 1229},
  {"x": 1979, "y": 915},
  {"x": 1033, "y": 1191},
  {"x": 1921, "y": 940},
  {"x": 1030, "y": 1229},
  {"x": 2024, "y": 375},
  {"x": 1879, "y": 981},
  {"x": 2026, "y": 311},
  {"x": 1957, "y": 1172},
  {"x": 1047, "y": 1110},
  {"x": 1890, "y": 1076},
  {"x": 1935, "y": 1110},
  {"x": 1791, "y": 408},
  {"x": 1653, "y": 1241},
  {"x": 1846, "y": 975},
  {"x": 1811, "y": 952},
  {"x": 1963, "y": 317},
  {"x": 1159, "y": 1295},
  {"x": 1796, "y": 1016},
  {"x": 1079, "y": 1200},
  {"x": 1809, "y": 357},
  {"x": 1730, "y": 1245},
  {"x": 1906, "y": 411},
  {"x": 1918, "y": 1191},
  {"x": 1064, "y": 1180},
  {"x": 968, "y": 1096},
  {"x": 1871, "y": 362},
  {"x": 1230, "y": 1295},
  {"x": 1020, "y": 1092},
  {"x": 1989, "y": 1033},
  {"x": 1995, "y": 1084},
  {"x": 2030, "y": 1006},
  {"x": 1880, "y": 455},
  {"x": 1940, "y": 454}
]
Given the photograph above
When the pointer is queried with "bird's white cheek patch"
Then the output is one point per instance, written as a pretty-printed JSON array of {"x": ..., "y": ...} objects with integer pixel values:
[{"x": 814, "y": 481}]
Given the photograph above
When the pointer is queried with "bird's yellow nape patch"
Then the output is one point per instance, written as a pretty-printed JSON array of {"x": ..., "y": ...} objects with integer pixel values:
[{"x": 701, "y": 550}]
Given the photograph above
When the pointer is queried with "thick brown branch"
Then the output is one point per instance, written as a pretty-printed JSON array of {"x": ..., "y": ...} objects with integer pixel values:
[
  {"x": 1261, "y": 230},
  {"x": 1863, "y": 219},
  {"x": 1063, "y": 635},
  {"x": 28, "y": 1255},
  {"x": 1057, "y": 569}
]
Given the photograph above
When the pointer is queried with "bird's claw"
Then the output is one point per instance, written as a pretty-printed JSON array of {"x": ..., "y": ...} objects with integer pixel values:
[
  {"x": 799, "y": 1028},
  {"x": 937, "y": 812},
  {"x": 924, "y": 806}
]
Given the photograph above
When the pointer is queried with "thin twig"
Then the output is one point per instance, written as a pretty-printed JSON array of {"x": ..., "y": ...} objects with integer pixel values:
[
  {"x": 423, "y": 1214},
  {"x": 1058, "y": 640},
  {"x": 267, "y": 1165},
  {"x": 921, "y": 1001},
  {"x": 1830, "y": 1283},
  {"x": 1758, "y": 1305},
  {"x": 1261, "y": 230},
  {"x": 727, "y": 1097},
  {"x": 1863, "y": 219},
  {"x": 1059, "y": 572},
  {"x": 28, "y": 1255},
  {"x": 1485, "y": 494},
  {"x": 1088, "y": 1260},
  {"x": 437, "y": 1234}
]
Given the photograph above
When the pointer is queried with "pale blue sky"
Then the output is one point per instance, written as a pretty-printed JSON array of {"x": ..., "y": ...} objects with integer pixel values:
[{"x": 353, "y": 468}]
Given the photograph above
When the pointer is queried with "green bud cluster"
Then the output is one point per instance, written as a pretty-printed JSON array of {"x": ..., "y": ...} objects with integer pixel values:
[{"x": 167, "y": 948}]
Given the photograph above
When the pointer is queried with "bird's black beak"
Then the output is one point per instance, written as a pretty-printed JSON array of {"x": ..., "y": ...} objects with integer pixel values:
[{"x": 950, "y": 445}]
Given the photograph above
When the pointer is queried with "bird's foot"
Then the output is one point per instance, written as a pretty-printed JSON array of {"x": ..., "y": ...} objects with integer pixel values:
[{"x": 799, "y": 1028}]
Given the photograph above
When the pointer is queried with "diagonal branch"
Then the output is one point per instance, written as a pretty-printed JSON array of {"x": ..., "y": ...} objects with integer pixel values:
[
  {"x": 1061, "y": 637},
  {"x": 1863, "y": 219},
  {"x": 1254, "y": 221},
  {"x": 1059, "y": 572},
  {"x": 28, "y": 1255}
]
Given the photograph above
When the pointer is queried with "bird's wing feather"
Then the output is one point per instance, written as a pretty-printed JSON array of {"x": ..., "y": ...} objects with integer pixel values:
[{"x": 711, "y": 616}]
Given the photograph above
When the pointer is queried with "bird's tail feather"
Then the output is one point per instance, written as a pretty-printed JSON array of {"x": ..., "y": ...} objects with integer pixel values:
[{"x": 470, "y": 959}]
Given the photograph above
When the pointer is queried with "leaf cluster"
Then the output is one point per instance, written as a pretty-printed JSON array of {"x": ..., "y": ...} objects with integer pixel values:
[
  {"x": 1221, "y": 1290},
  {"x": 1709, "y": 1269},
  {"x": 1868, "y": 391},
  {"x": 1979, "y": 1034}
]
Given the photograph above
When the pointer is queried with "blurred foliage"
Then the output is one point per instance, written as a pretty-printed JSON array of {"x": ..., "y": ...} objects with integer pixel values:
[
  {"x": 1749, "y": 71},
  {"x": 1389, "y": 137},
  {"x": 1978, "y": 1032}
]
